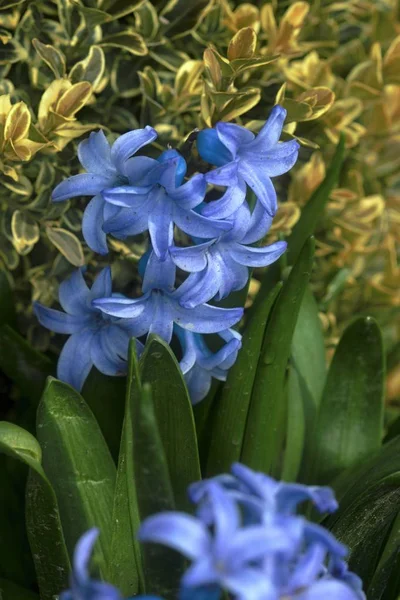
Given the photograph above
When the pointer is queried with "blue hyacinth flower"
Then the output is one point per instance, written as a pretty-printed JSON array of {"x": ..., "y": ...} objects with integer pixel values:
[
  {"x": 220, "y": 266},
  {"x": 277, "y": 554},
  {"x": 83, "y": 587},
  {"x": 105, "y": 166},
  {"x": 244, "y": 158},
  {"x": 95, "y": 338},
  {"x": 227, "y": 555},
  {"x": 159, "y": 308},
  {"x": 159, "y": 201},
  {"x": 199, "y": 365}
]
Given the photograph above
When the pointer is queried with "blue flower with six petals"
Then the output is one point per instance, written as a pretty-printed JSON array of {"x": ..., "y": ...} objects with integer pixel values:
[
  {"x": 105, "y": 166},
  {"x": 96, "y": 339},
  {"x": 244, "y": 158}
]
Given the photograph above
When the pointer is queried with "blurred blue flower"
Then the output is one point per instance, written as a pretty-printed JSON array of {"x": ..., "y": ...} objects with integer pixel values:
[
  {"x": 105, "y": 166},
  {"x": 96, "y": 339},
  {"x": 159, "y": 307},
  {"x": 199, "y": 365},
  {"x": 274, "y": 554},
  {"x": 226, "y": 556},
  {"x": 219, "y": 266},
  {"x": 82, "y": 586},
  {"x": 159, "y": 201},
  {"x": 244, "y": 158}
]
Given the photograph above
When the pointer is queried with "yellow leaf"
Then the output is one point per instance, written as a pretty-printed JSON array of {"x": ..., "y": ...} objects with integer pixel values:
[
  {"x": 213, "y": 67},
  {"x": 320, "y": 99},
  {"x": 25, "y": 231},
  {"x": 5, "y": 107},
  {"x": 17, "y": 123},
  {"x": 188, "y": 77},
  {"x": 50, "y": 98},
  {"x": 90, "y": 69},
  {"x": 74, "y": 99},
  {"x": 53, "y": 57},
  {"x": 68, "y": 244},
  {"x": 243, "y": 44}
]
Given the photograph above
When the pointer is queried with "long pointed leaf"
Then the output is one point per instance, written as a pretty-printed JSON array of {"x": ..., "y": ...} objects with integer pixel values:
[
  {"x": 154, "y": 493},
  {"x": 230, "y": 413},
  {"x": 125, "y": 567},
  {"x": 265, "y": 423},
  {"x": 42, "y": 513},
  {"x": 174, "y": 416},
  {"x": 350, "y": 422},
  {"x": 79, "y": 465}
]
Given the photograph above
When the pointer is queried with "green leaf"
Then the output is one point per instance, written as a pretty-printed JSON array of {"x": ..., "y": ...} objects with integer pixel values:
[
  {"x": 364, "y": 524},
  {"x": 24, "y": 365},
  {"x": 354, "y": 481},
  {"x": 79, "y": 465},
  {"x": 313, "y": 210},
  {"x": 126, "y": 40},
  {"x": 265, "y": 423},
  {"x": 106, "y": 397},
  {"x": 386, "y": 576},
  {"x": 154, "y": 493},
  {"x": 7, "y": 306},
  {"x": 125, "y": 565},
  {"x": 174, "y": 415},
  {"x": 10, "y": 591},
  {"x": 42, "y": 514},
  {"x": 306, "y": 383},
  {"x": 350, "y": 422},
  {"x": 52, "y": 56},
  {"x": 230, "y": 413}
]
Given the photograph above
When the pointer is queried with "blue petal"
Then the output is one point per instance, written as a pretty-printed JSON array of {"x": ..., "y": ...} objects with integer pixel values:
[
  {"x": 179, "y": 531},
  {"x": 75, "y": 361},
  {"x": 58, "y": 321},
  {"x": 162, "y": 322},
  {"x": 82, "y": 555},
  {"x": 180, "y": 166},
  {"x": 84, "y": 184},
  {"x": 259, "y": 225},
  {"x": 250, "y": 584},
  {"x": 188, "y": 346},
  {"x": 261, "y": 185},
  {"x": 102, "y": 285},
  {"x": 270, "y": 132},
  {"x": 123, "y": 308},
  {"x": 200, "y": 287},
  {"x": 201, "y": 593},
  {"x": 161, "y": 226},
  {"x": 257, "y": 257},
  {"x": 228, "y": 203},
  {"x": 129, "y": 143},
  {"x": 126, "y": 196},
  {"x": 289, "y": 495},
  {"x": 192, "y": 258},
  {"x": 159, "y": 274},
  {"x": 128, "y": 222},
  {"x": 233, "y": 136},
  {"x": 198, "y": 226},
  {"x": 276, "y": 161},
  {"x": 94, "y": 154},
  {"x": 225, "y": 175},
  {"x": 73, "y": 294},
  {"x": 198, "y": 382},
  {"x": 233, "y": 275},
  {"x": 104, "y": 355},
  {"x": 206, "y": 318},
  {"x": 211, "y": 149},
  {"x": 201, "y": 573},
  {"x": 308, "y": 569},
  {"x": 92, "y": 223},
  {"x": 190, "y": 194},
  {"x": 137, "y": 168}
]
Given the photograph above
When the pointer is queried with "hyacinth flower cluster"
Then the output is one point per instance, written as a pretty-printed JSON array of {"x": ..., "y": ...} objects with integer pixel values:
[
  {"x": 246, "y": 542},
  {"x": 134, "y": 195}
]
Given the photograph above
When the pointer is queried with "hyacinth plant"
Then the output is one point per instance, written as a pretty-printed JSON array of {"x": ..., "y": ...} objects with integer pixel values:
[{"x": 168, "y": 380}]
